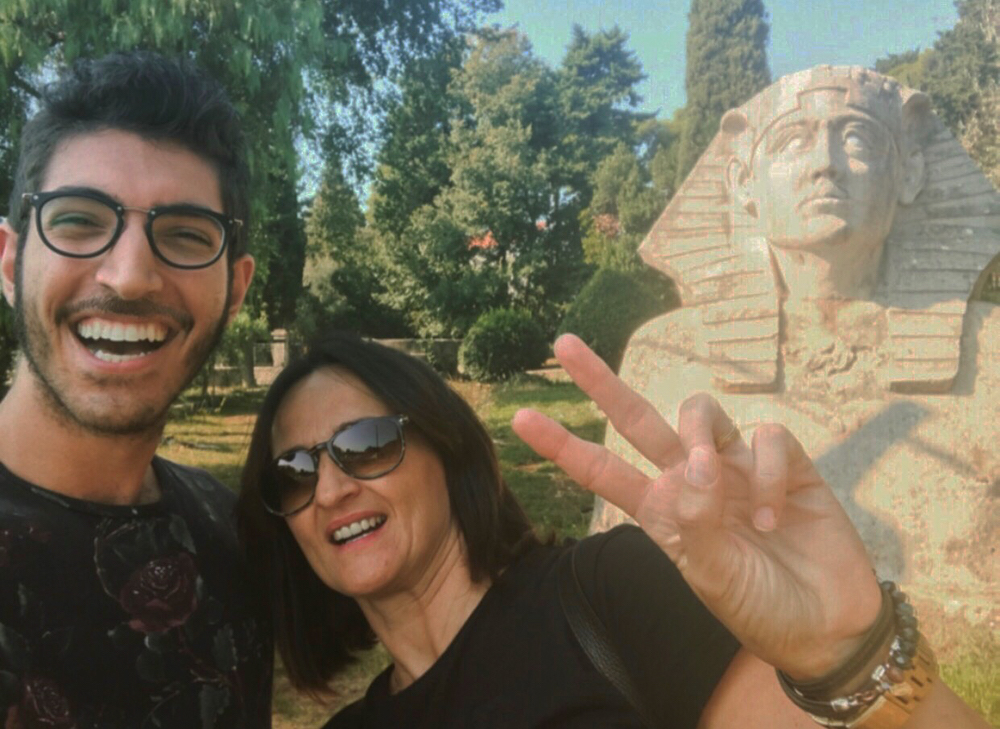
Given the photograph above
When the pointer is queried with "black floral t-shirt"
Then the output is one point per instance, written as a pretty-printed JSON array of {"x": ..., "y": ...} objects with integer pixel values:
[{"x": 128, "y": 617}]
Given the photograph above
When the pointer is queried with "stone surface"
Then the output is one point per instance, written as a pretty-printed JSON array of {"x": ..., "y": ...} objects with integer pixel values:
[{"x": 826, "y": 247}]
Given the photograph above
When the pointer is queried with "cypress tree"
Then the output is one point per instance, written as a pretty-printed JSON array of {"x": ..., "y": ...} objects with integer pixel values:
[{"x": 726, "y": 65}]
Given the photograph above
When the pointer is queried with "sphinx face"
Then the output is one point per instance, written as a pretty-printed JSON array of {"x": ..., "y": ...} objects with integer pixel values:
[{"x": 825, "y": 179}]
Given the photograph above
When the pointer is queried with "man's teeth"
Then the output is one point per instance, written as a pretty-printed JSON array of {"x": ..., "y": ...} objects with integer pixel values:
[
  {"x": 352, "y": 530},
  {"x": 118, "y": 332},
  {"x": 111, "y": 357}
]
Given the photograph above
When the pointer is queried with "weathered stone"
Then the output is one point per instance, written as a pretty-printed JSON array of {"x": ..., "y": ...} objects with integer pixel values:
[{"x": 826, "y": 247}]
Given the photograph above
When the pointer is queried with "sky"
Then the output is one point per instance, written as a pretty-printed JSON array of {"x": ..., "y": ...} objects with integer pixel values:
[{"x": 804, "y": 33}]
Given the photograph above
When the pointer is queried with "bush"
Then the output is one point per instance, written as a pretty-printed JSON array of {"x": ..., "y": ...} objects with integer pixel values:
[
  {"x": 613, "y": 304},
  {"x": 502, "y": 343}
]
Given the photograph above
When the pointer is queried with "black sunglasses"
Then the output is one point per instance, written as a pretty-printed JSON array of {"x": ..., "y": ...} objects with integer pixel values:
[{"x": 365, "y": 449}]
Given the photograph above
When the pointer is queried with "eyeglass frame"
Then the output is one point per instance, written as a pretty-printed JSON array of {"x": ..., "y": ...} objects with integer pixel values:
[
  {"x": 38, "y": 199},
  {"x": 327, "y": 445}
]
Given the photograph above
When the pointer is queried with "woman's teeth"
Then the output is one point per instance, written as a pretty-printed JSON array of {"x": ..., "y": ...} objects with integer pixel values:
[{"x": 350, "y": 531}]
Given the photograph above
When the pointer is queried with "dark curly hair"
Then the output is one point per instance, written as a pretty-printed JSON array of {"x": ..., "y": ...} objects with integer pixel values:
[{"x": 158, "y": 98}]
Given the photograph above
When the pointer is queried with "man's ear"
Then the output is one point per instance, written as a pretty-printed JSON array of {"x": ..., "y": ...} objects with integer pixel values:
[
  {"x": 8, "y": 260},
  {"x": 243, "y": 268}
]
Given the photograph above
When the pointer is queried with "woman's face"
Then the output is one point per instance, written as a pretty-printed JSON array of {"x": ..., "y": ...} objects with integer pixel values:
[{"x": 414, "y": 534}]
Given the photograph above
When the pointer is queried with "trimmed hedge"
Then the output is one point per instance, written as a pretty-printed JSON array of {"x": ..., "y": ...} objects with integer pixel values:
[
  {"x": 613, "y": 304},
  {"x": 502, "y": 343}
]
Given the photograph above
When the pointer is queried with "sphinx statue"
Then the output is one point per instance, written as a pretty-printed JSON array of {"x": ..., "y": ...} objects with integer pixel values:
[{"x": 830, "y": 247}]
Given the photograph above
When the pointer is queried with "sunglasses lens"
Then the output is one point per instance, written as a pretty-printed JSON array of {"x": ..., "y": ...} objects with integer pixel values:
[
  {"x": 369, "y": 448},
  {"x": 293, "y": 483}
]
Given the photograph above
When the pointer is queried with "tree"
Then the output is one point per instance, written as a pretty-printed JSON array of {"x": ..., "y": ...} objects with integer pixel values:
[
  {"x": 413, "y": 161},
  {"x": 961, "y": 73},
  {"x": 486, "y": 168},
  {"x": 726, "y": 65},
  {"x": 596, "y": 84},
  {"x": 490, "y": 237},
  {"x": 964, "y": 64},
  {"x": 344, "y": 274},
  {"x": 286, "y": 66},
  {"x": 623, "y": 208}
]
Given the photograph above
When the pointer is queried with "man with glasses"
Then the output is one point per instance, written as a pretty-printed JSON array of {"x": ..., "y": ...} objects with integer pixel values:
[{"x": 122, "y": 599}]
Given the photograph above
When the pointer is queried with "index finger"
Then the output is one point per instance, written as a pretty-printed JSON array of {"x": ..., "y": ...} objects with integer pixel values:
[{"x": 632, "y": 415}]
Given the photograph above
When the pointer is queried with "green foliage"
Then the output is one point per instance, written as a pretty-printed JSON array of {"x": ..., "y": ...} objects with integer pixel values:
[
  {"x": 502, "y": 343},
  {"x": 961, "y": 73},
  {"x": 236, "y": 347},
  {"x": 597, "y": 97},
  {"x": 624, "y": 205},
  {"x": 295, "y": 70},
  {"x": 892, "y": 61},
  {"x": 726, "y": 65},
  {"x": 8, "y": 345},
  {"x": 964, "y": 63},
  {"x": 413, "y": 161},
  {"x": 344, "y": 279},
  {"x": 614, "y": 304},
  {"x": 489, "y": 226}
]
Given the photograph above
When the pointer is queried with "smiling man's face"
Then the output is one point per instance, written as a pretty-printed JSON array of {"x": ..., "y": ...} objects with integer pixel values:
[
  {"x": 110, "y": 341},
  {"x": 825, "y": 178}
]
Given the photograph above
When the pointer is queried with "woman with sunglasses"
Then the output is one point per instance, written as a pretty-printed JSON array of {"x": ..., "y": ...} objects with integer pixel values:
[{"x": 372, "y": 507}]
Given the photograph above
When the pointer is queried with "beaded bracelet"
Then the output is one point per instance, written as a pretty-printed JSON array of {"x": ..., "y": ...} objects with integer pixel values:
[{"x": 842, "y": 711}]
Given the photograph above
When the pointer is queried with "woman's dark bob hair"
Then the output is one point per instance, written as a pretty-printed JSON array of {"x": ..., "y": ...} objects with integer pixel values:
[{"x": 317, "y": 629}]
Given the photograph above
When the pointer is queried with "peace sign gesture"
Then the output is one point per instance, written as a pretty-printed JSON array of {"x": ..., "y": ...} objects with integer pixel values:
[{"x": 754, "y": 529}]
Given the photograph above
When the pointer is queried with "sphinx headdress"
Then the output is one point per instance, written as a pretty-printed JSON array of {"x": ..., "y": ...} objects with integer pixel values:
[{"x": 933, "y": 261}]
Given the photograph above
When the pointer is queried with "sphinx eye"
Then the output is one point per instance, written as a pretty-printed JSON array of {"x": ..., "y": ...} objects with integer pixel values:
[
  {"x": 859, "y": 140},
  {"x": 793, "y": 139}
]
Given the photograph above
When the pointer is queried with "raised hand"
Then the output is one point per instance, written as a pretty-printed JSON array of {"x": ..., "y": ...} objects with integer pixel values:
[{"x": 754, "y": 530}]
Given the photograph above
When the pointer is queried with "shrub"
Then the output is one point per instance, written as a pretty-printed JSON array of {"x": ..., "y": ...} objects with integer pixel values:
[
  {"x": 613, "y": 304},
  {"x": 502, "y": 343}
]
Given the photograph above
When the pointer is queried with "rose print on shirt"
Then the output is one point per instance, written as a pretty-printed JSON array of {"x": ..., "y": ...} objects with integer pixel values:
[
  {"x": 42, "y": 706},
  {"x": 161, "y": 594}
]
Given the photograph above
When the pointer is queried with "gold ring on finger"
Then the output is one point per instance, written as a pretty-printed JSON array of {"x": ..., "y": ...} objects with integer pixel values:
[{"x": 729, "y": 438}]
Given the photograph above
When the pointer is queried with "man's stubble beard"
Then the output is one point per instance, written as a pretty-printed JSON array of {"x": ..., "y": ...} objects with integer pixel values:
[{"x": 36, "y": 350}]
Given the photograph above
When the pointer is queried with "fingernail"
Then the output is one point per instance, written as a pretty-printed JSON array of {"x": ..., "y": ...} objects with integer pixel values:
[
  {"x": 701, "y": 468},
  {"x": 763, "y": 519}
]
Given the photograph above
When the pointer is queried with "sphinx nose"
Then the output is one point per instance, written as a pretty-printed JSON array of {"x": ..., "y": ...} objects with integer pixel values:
[{"x": 824, "y": 160}]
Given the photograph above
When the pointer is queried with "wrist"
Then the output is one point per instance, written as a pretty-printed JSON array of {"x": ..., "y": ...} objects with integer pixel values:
[
  {"x": 877, "y": 688},
  {"x": 841, "y": 662}
]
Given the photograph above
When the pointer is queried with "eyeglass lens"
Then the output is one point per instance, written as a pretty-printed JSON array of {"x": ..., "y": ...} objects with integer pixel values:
[
  {"x": 81, "y": 226},
  {"x": 367, "y": 449}
]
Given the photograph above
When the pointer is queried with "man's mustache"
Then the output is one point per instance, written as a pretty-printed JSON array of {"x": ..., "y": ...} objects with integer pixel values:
[{"x": 138, "y": 308}]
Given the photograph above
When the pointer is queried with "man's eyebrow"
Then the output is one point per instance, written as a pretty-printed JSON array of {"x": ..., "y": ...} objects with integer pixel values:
[
  {"x": 87, "y": 190},
  {"x": 84, "y": 189}
]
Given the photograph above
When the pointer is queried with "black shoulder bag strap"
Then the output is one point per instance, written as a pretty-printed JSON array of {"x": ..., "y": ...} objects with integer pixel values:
[{"x": 593, "y": 637}]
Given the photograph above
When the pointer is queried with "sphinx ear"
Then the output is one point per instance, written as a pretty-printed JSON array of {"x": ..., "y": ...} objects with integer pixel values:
[
  {"x": 734, "y": 126},
  {"x": 916, "y": 115},
  {"x": 914, "y": 173},
  {"x": 738, "y": 183}
]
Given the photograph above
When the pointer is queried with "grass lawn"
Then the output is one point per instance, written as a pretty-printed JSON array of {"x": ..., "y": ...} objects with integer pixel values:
[{"x": 216, "y": 439}]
